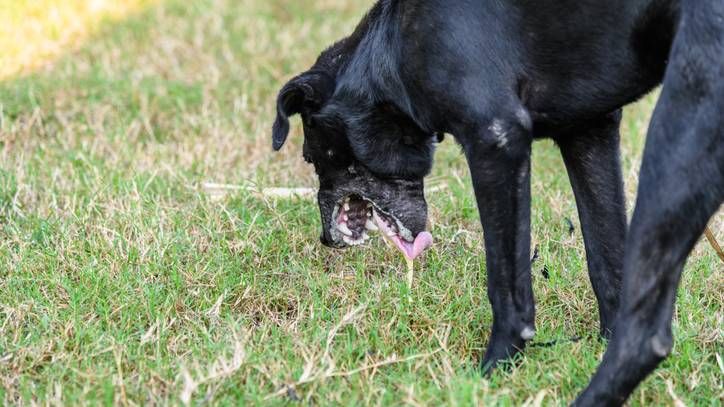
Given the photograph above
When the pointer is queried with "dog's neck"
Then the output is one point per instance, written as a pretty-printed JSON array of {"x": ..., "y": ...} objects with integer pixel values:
[{"x": 366, "y": 64}]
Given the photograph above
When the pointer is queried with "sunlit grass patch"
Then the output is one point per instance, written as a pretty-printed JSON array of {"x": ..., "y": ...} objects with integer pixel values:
[{"x": 35, "y": 32}]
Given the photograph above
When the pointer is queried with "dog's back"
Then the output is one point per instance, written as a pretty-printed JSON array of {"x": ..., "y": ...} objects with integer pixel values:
[{"x": 594, "y": 55}]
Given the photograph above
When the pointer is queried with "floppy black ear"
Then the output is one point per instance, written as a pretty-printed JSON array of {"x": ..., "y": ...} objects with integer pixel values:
[{"x": 305, "y": 93}]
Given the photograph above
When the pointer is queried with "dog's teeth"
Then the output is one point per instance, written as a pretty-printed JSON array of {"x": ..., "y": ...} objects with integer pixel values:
[
  {"x": 371, "y": 225},
  {"x": 353, "y": 242},
  {"x": 342, "y": 227},
  {"x": 346, "y": 206},
  {"x": 369, "y": 214},
  {"x": 390, "y": 233},
  {"x": 346, "y": 200}
]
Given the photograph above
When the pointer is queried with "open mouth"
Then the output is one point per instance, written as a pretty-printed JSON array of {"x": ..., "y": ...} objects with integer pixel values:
[{"x": 354, "y": 217}]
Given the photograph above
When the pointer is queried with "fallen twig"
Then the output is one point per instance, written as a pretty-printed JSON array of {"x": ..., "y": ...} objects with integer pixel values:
[{"x": 218, "y": 191}]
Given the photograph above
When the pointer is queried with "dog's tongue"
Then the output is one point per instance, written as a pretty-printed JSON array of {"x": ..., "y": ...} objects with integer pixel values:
[{"x": 411, "y": 250}]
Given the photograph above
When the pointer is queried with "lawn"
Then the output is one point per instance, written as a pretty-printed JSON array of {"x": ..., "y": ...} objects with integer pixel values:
[{"x": 126, "y": 278}]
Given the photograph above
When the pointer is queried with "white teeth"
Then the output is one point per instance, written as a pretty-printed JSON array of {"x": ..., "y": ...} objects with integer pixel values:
[
  {"x": 346, "y": 207},
  {"x": 390, "y": 233},
  {"x": 351, "y": 242},
  {"x": 369, "y": 214},
  {"x": 346, "y": 200},
  {"x": 371, "y": 225},
  {"x": 344, "y": 229}
]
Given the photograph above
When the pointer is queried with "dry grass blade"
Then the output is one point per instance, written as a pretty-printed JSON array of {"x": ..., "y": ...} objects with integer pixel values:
[
  {"x": 712, "y": 241},
  {"x": 221, "y": 369},
  {"x": 347, "y": 319},
  {"x": 388, "y": 361},
  {"x": 674, "y": 398},
  {"x": 308, "y": 375}
]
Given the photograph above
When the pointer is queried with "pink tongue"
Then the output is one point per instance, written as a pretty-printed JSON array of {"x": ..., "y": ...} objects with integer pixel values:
[
  {"x": 410, "y": 250},
  {"x": 413, "y": 250}
]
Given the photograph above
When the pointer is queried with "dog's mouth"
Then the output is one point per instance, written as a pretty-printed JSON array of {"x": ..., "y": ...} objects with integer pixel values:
[{"x": 354, "y": 217}]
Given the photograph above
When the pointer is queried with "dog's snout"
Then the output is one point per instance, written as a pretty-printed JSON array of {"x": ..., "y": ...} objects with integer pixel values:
[{"x": 325, "y": 241}]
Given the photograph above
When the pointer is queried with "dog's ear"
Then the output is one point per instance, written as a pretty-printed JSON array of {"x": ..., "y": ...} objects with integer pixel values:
[{"x": 304, "y": 94}]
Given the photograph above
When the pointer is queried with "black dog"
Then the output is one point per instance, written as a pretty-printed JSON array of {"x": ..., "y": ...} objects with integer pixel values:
[{"x": 497, "y": 75}]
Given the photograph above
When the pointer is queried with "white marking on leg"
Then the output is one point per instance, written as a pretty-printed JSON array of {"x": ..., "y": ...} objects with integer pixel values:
[
  {"x": 498, "y": 129},
  {"x": 528, "y": 333},
  {"x": 661, "y": 346}
]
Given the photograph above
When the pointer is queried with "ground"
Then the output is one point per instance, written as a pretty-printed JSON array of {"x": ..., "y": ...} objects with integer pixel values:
[{"x": 126, "y": 278}]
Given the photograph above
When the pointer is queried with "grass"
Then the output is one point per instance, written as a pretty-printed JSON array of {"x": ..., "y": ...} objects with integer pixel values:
[
  {"x": 124, "y": 281},
  {"x": 35, "y": 32}
]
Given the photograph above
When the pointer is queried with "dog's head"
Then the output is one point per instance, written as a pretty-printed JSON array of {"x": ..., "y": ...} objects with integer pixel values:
[{"x": 370, "y": 159}]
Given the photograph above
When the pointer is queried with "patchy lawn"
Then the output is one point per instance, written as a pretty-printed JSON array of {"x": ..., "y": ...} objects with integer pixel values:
[{"x": 125, "y": 279}]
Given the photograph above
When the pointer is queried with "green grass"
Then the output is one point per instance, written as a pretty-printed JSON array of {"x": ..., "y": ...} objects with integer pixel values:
[{"x": 124, "y": 281}]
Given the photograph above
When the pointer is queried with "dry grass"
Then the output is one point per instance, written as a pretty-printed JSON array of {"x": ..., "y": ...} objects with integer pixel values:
[{"x": 122, "y": 281}]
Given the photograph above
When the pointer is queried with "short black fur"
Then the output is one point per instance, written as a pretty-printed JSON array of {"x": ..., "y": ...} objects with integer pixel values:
[{"x": 499, "y": 74}]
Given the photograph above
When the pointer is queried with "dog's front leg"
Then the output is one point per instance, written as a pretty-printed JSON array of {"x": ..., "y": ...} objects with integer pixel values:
[
  {"x": 591, "y": 154},
  {"x": 499, "y": 160}
]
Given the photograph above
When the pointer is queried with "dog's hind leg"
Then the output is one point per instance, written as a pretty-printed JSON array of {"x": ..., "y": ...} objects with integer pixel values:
[
  {"x": 681, "y": 187},
  {"x": 591, "y": 154}
]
